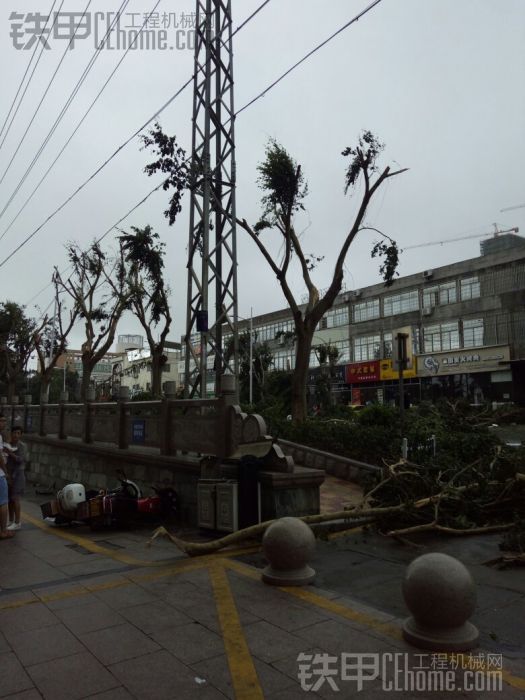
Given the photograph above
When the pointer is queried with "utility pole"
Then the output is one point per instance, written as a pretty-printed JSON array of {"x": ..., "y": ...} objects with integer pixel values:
[
  {"x": 251, "y": 355},
  {"x": 400, "y": 363},
  {"x": 212, "y": 250}
]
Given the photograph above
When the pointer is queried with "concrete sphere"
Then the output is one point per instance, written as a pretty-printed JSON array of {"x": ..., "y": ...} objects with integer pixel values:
[
  {"x": 439, "y": 591},
  {"x": 288, "y": 543}
]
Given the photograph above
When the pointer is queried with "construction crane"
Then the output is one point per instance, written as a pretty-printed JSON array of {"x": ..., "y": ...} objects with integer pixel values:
[
  {"x": 517, "y": 206},
  {"x": 495, "y": 233}
]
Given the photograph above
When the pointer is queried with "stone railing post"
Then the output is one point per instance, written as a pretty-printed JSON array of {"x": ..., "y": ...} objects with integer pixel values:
[
  {"x": 170, "y": 392},
  {"x": 227, "y": 398},
  {"x": 88, "y": 414},
  {"x": 123, "y": 410},
  {"x": 64, "y": 397},
  {"x": 14, "y": 404},
  {"x": 27, "y": 405}
]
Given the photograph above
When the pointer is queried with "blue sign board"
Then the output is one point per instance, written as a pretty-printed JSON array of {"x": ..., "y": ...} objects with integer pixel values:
[{"x": 138, "y": 430}]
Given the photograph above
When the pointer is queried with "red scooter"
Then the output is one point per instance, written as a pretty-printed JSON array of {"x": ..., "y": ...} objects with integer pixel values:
[{"x": 122, "y": 505}]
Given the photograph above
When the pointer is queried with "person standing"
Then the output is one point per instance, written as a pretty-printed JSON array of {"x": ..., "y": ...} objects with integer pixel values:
[
  {"x": 16, "y": 452},
  {"x": 4, "y": 532}
]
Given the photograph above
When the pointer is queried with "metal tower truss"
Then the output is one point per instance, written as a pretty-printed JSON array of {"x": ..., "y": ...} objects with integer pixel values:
[{"x": 212, "y": 254}]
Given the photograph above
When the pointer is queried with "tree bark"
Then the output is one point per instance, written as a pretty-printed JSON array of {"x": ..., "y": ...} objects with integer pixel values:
[
  {"x": 300, "y": 374},
  {"x": 156, "y": 373},
  {"x": 86, "y": 380}
]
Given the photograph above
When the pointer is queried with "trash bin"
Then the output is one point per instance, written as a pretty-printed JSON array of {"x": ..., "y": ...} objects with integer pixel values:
[{"x": 249, "y": 467}]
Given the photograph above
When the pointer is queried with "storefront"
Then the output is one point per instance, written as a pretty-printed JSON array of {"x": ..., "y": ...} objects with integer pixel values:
[{"x": 478, "y": 375}]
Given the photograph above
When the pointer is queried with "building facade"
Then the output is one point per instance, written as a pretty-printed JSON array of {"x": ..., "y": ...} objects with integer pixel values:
[{"x": 465, "y": 324}]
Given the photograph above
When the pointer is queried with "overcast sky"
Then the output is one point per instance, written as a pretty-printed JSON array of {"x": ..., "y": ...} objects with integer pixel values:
[{"x": 440, "y": 82}]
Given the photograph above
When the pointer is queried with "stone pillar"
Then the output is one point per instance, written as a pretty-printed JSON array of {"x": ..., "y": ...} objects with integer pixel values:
[
  {"x": 88, "y": 411},
  {"x": 227, "y": 398},
  {"x": 170, "y": 391},
  {"x": 123, "y": 398},
  {"x": 288, "y": 545},
  {"x": 441, "y": 595},
  {"x": 27, "y": 404},
  {"x": 64, "y": 397}
]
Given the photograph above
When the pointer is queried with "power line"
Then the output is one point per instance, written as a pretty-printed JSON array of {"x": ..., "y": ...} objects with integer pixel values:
[
  {"x": 306, "y": 56},
  {"x": 45, "y": 92},
  {"x": 166, "y": 104},
  {"x": 37, "y": 44},
  {"x": 169, "y": 101},
  {"x": 63, "y": 112}
]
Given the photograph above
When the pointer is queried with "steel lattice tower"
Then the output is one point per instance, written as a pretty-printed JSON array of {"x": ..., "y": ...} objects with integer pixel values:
[{"x": 212, "y": 254}]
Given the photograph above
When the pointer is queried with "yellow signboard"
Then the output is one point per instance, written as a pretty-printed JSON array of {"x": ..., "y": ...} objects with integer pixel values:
[{"x": 387, "y": 371}]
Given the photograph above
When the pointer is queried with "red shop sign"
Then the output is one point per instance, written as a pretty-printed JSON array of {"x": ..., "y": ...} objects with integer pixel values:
[{"x": 359, "y": 372}]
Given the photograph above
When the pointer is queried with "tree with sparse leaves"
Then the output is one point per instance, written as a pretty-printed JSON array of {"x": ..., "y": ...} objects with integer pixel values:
[
  {"x": 285, "y": 188},
  {"x": 99, "y": 290},
  {"x": 144, "y": 256},
  {"x": 262, "y": 359},
  {"x": 51, "y": 342}
]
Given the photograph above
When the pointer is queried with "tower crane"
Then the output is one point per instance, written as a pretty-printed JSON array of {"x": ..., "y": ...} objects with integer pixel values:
[{"x": 495, "y": 233}]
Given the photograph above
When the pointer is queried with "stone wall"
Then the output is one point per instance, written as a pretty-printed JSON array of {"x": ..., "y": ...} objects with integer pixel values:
[
  {"x": 95, "y": 466},
  {"x": 336, "y": 465}
]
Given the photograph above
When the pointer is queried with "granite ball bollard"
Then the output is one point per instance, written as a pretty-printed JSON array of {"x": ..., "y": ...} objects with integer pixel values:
[
  {"x": 441, "y": 595},
  {"x": 288, "y": 545}
]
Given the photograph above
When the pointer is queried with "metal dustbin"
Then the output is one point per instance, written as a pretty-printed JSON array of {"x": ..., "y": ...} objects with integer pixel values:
[{"x": 249, "y": 499}]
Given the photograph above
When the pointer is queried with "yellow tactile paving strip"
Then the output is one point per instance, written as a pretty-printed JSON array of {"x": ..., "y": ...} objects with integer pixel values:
[{"x": 242, "y": 670}]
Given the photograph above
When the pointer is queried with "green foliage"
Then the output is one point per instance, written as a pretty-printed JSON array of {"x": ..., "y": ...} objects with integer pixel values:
[
  {"x": 262, "y": 359},
  {"x": 390, "y": 254},
  {"x": 171, "y": 161},
  {"x": 283, "y": 183},
  {"x": 364, "y": 157}
]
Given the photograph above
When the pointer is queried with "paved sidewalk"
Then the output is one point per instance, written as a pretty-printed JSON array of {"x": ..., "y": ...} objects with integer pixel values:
[{"x": 100, "y": 615}]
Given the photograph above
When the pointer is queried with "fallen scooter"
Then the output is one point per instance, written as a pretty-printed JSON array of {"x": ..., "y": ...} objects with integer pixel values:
[{"x": 120, "y": 506}]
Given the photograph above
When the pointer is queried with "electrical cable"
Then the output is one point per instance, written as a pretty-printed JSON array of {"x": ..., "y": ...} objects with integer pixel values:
[
  {"x": 37, "y": 44},
  {"x": 45, "y": 92},
  {"x": 306, "y": 56},
  {"x": 61, "y": 115}
]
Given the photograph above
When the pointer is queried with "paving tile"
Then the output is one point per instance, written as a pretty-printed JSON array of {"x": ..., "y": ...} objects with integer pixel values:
[
  {"x": 207, "y": 616},
  {"x": 160, "y": 676},
  {"x": 90, "y": 617},
  {"x": 190, "y": 643},
  {"x": 44, "y": 644},
  {"x": 336, "y": 637},
  {"x": 124, "y": 596},
  {"x": 90, "y": 565},
  {"x": 31, "y": 694},
  {"x": 72, "y": 677},
  {"x": 288, "y": 616},
  {"x": 113, "y": 694},
  {"x": 4, "y": 645},
  {"x": 270, "y": 643},
  {"x": 118, "y": 643},
  {"x": 27, "y": 617},
  {"x": 66, "y": 596},
  {"x": 295, "y": 693},
  {"x": 153, "y": 617},
  {"x": 13, "y": 678}
]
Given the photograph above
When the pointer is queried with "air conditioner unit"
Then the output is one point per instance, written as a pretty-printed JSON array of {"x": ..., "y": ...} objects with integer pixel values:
[
  {"x": 281, "y": 340},
  {"x": 356, "y": 293},
  {"x": 427, "y": 311},
  {"x": 428, "y": 274}
]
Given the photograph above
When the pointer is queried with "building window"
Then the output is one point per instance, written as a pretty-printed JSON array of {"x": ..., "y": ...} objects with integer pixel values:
[
  {"x": 367, "y": 347},
  {"x": 440, "y": 294},
  {"x": 334, "y": 317},
  {"x": 401, "y": 303},
  {"x": 366, "y": 310},
  {"x": 387, "y": 345},
  {"x": 344, "y": 351},
  {"x": 470, "y": 288},
  {"x": 444, "y": 336},
  {"x": 473, "y": 333}
]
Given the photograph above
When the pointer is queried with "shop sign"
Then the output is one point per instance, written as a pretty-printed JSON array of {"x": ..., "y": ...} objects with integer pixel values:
[
  {"x": 138, "y": 431},
  {"x": 387, "y": 371},
  {"x": 337, "y": 375},
  {"x": 464, "y": 361},
  {"x": 359, "y": 372}
]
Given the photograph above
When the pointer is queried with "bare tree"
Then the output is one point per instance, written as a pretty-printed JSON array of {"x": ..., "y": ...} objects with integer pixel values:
[
  {"x": 98, "y": 287},
  {"x": 51, "y": 342},
  {"x": 284, "y": 187},
  {"x": 149, "y": 295}
]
